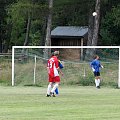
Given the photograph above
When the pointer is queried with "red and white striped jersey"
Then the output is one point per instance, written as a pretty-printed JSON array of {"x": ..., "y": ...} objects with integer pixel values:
[{"x": 53, "y": 65}]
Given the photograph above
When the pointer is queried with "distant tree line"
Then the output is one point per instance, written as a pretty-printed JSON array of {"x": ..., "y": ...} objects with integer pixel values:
[{"x": 24, "y": 22}]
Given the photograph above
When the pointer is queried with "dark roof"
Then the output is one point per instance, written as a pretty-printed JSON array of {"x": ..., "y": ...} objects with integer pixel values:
[{"x": 69, "y": 31}]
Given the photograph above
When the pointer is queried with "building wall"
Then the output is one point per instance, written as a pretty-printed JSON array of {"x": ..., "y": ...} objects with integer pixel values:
[
  {"x": 65, "y": 42},
  {"x": 69, "y": 54}
]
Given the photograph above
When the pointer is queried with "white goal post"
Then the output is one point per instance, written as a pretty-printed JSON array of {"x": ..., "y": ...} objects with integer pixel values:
[{"x": 50, "y": 47}]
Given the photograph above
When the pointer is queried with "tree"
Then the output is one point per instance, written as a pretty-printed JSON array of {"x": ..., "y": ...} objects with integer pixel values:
[
  {"x": 110, "y": 28},
  {"x": 109, "y": 32},
  {"x": 2, "y": 24},
  {"x": 48, "y": 31},
  {"x": 49, "y": 24},
  {"x": 93, "y": 30},
  {"x": 4, "y": 35},
  {"x": 70, "y": 12},
  {"x": 32, "y": 14},
  {"x": 28, "y": 30},
  {"x": 96, "y": 24}
]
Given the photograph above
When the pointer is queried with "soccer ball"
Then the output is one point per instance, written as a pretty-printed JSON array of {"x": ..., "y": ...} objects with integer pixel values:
[{"x": 94, "y": 13}]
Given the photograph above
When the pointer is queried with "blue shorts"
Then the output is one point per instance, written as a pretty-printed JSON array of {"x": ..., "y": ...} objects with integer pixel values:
[{"x": 96, "y": 74}]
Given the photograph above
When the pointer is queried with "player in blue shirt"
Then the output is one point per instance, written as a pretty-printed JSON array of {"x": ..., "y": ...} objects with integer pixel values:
[
  {"x": 96, "y": 66},
  {"x": 61, "y": 67}
]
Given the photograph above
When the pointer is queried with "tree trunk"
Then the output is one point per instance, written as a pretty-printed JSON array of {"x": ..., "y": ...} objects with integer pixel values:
[
  {"x": 90, "y": 28},
  {"x": 0, "y": 45},
  {"x": 48, "y": 31},
  {"x": 6, "y": 46},
  {"x": 89, "y": 51},
  {"x": 8, "y": 36},
  {"x": 1, "y": 36},
  {"x": 27, "y": 31},
  {"x": 93, "y": 31},
  {"x": 96, "y": 24},
  {"x": 49, "y": 23}
]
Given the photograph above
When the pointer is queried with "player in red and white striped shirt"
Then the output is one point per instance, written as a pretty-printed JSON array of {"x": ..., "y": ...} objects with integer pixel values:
[{"x": 53, "y": 68}]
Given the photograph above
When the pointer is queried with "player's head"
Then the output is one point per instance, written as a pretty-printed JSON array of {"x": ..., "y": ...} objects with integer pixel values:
[
  {"x": 96, "y": 57},
  {"x": 56, "y": 53}
]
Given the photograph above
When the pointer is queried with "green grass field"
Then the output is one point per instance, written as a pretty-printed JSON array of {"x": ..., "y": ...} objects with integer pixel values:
[{"x": 73, "y": 103}]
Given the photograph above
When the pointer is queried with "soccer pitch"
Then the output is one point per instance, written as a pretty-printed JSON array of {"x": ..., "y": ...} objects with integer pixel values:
[{"x": 73, "y": 103}]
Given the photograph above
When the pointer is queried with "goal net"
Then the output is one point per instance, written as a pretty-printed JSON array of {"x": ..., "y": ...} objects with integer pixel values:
[{"x": 29, "y": 65}]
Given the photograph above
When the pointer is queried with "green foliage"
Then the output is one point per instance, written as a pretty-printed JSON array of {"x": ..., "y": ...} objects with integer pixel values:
[
  {"x": 82, "y": 81},
  {"x": 14, "y": 16},
  {"x": 110, "y": 28},
  {"x": 87, "y": 81},
  {"x": 71, "y": 12},
  {"x": 18, "y": 15},
  {"x": 110, "y": 53},
  {"x": 116, "y": 15},
  {"x": 37, "y": 32},
  {"x": 5, "y": 71}
]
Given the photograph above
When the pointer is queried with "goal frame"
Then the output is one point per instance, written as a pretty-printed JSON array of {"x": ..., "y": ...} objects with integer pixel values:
[{"x": 50, "y": 47}]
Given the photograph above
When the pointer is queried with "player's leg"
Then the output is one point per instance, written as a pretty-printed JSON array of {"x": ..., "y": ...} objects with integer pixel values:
[
  {"x": 57, "y": 81},
  {"x": 97, "y": 78},
  {"x": 56, "y": 91},
  {"x": 50, "y": 85},
  {"x": 54, "y": 88},
  {"x": 97, "y": 82},
  {"x": 49, "y": 89}
]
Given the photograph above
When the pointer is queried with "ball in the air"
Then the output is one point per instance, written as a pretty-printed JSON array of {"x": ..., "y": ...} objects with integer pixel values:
[{"x": 94, "y": 13}]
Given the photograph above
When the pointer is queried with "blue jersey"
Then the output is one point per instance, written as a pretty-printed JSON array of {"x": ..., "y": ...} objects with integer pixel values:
[
  {"x": 60, "y": 64},
  {"x": 96, "y": 65},
  {"x": 61, "y": 67}
]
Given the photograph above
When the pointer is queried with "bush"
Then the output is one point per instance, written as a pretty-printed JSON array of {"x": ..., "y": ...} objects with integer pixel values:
[{"x": 86, "y": 81}]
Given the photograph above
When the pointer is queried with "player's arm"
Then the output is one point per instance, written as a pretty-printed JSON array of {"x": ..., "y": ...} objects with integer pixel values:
[
  {"x": 101, "y": 66},
  {"x": 58, "y": 68},
  {"x": 60, "y": 71},
  {"x": 60, "y": 64}
]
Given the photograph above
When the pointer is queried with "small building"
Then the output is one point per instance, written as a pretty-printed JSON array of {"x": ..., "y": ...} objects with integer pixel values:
[{"x": 70, "y": 36}]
